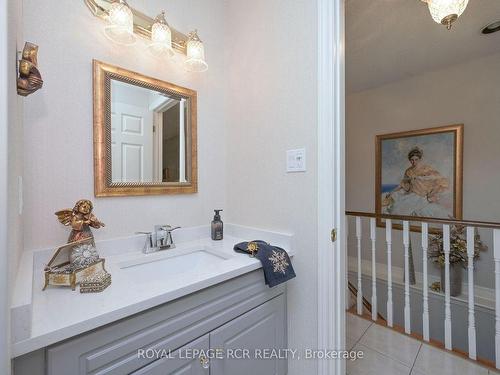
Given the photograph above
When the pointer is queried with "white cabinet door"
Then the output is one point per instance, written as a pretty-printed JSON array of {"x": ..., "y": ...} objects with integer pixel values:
[
  {"x": 180, "y": 366},
  {"x": 248, "y": 336},
  {"x": 131, "y": 143}
]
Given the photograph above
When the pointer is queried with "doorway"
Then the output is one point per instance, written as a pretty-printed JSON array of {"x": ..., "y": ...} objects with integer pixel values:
[{"x": 331, "y": 177}]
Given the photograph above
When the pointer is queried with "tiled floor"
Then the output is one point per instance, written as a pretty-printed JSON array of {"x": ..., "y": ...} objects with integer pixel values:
[{"x": 391, "y": 353}]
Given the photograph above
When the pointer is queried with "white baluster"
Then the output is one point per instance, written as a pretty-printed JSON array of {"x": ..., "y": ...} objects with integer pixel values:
[
  {"x": 496, "y": 255},
  {"x": 388, "y": 238},
  {"x": 425, "y": 313},
  {"x": 360, "y": 292},
  {"x": 470, "y": 268},
  {"x": 447, "y": 307},
  {"x": 406, "y": 244},
  {"x": 373, "y": 229}
]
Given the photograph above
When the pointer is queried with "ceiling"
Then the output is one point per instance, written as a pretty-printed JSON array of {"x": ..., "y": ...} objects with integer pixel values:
[{"x": 390, "y": 40}]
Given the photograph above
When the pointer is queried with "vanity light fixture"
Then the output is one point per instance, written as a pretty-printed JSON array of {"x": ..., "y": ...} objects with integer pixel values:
[
  {"x": 124, "y": 24},
  {"x": 195, "y": 51},
  {"x": 121, "y": 23},
  {"x": 446, "y": 12},
  {"x": 161, "y": 38}
]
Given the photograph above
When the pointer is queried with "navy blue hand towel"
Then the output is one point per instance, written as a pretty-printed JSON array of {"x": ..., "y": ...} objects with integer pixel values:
[{"x": 275, "y": 261}]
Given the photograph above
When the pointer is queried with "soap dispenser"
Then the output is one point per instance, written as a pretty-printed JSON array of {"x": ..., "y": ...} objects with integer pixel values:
[{"x": 217, "y": 227}]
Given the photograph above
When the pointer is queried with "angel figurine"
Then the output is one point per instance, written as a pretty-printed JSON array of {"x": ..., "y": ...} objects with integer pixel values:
[{"x": 81, "y": 219}]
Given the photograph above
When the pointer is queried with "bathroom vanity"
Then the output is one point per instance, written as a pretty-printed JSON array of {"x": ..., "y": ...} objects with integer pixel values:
[
  {"x": 189, "y": 307},
  {"x": 197, "y": 309}
]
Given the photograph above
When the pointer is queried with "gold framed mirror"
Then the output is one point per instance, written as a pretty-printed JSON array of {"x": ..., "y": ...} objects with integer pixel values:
[{"x": 144, "y": 135}]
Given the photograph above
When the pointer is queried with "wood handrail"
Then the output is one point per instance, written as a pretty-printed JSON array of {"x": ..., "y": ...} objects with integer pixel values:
[{"x": 469, "y": 223}]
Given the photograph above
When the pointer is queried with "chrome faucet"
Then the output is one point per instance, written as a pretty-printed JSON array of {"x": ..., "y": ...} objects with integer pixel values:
[{"x": 159, "y": 239}]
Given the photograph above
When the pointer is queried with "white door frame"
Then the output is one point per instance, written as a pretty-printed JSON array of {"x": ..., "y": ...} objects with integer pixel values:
[
  {"x": 4, "y": 256},
  {"x": 157, "y": 146},
  {"x": 331, "y": 177}
]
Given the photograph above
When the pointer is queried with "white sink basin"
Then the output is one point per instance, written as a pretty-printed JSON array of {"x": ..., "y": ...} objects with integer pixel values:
[{"x": 173, "y": 262}]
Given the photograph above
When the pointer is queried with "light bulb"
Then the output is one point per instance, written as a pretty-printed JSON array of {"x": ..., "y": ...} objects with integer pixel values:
[
  {"x": 161, "y": 38},
  {"x": 446, "y": 12},
  {"x": 195, "y": 51},
  {"x": 121, "y": 23}
]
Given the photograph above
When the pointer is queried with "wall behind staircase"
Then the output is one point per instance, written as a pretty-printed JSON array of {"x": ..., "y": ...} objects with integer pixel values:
[{"x": 467, "y": 93}]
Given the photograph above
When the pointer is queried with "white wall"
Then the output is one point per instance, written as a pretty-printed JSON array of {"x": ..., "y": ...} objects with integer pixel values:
[
  {"x": 15, "y": 137},
  {"x": 11, "y": 166},
  {"x": 129, "y": 94},
  {"x": 4, "y": 254},
  {"x": 272, "y": 106},
  {"x": 466, "y": 93},
  {"x": 58, "y": 119}
]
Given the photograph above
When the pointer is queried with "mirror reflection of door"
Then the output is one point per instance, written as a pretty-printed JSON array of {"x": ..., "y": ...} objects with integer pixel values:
[
  {"x": 148, "y": 135},
  {"x": 169, "y": 161}
]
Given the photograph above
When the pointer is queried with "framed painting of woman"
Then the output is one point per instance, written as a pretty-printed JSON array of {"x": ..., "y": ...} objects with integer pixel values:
[{"x": 419, "y": 173}]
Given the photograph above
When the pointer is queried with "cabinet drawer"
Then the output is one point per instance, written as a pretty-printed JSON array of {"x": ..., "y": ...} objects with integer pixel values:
[
  {"x": 176, "y": 365},
  {"x": 263, "y": 328}
]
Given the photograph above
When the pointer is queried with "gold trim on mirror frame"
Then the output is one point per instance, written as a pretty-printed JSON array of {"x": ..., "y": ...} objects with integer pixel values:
[
  {"x": 103, "y": 187},
  {"x": 142, "y": 23}
]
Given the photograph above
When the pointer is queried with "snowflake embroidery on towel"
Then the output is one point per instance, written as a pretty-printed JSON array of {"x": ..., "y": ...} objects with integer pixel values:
[{"x": 279, "y": 261}]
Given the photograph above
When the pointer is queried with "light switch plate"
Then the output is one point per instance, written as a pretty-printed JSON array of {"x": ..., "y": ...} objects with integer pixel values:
[{"x": 296, "y": 160}]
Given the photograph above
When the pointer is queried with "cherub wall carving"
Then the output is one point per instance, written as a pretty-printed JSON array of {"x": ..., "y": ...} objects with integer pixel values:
[{"x": 30, "y": 79}]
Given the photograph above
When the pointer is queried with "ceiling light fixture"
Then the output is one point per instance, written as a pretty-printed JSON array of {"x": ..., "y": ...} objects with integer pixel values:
[
  {"x": 446, "y": 12},
  {"x": 491, "y": 28},
  {"x": 161, "y": 38},
  {"x": 121, "y": 23},
  {"x": 195, "y": 50}
]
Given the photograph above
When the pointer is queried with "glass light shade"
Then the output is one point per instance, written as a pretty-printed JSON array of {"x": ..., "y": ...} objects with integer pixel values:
[
  {"x": 195, "y": 51},
  {"x": 161, "y": 38},
  {"x": 446, "y": 11},
  {"x": 121, "y": 24}
]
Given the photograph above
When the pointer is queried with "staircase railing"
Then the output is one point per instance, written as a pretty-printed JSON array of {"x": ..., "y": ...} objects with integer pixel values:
[
  {"x": 366, "y": 304},
  {"x": 422, "y": 224}
]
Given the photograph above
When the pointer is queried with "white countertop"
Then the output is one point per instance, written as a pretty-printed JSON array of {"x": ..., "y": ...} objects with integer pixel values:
[{"x": 59, "y": 313}]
